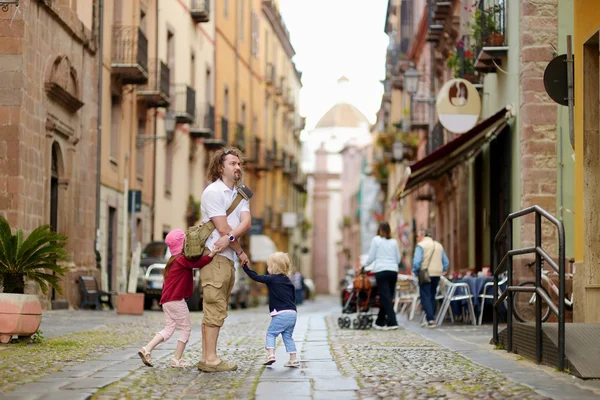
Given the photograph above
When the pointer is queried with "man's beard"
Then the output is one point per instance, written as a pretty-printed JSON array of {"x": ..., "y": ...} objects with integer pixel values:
[{"x": 237, "y": 178}]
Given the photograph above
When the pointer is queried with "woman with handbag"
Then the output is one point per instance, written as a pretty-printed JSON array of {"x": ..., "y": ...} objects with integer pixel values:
[
  {"x": 429, "y": 263},
  {"x": 385, "y": 253}
]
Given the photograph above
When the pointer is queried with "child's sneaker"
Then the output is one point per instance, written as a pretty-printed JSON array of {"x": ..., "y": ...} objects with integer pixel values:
[
  {"x": 292, "y": 364},
  {"x": 181, "y": 363}
]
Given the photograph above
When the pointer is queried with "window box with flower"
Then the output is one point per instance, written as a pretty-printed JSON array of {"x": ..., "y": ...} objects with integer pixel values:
[{"x": 462, "y": 63}]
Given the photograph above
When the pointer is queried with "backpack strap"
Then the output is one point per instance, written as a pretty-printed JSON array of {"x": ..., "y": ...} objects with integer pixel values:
[{"x": 235, "y": 203}]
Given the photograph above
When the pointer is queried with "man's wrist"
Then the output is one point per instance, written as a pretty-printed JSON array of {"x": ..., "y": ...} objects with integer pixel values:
[{"x": 239, "y": 253}]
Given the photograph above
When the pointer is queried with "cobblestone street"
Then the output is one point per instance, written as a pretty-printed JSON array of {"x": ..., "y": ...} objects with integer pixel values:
[{"x": 87, "y": 354}]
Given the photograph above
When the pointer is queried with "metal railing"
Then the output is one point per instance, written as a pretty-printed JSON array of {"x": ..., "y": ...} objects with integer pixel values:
[
  {"x": 506, "y": 232},
  {"x": 130, "y": 46},
  {"x": 225, "y": 130},
  {"x": 240, "y": 139},
  {"x": 184, "y": 103},
  {"x": 491, "y": 16},
  {"x": 158, "y": 78},
  {"x": 209, "y": 118}
]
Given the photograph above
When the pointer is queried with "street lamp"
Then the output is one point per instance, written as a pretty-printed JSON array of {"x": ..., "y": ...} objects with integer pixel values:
[
  {"x": 170, "y": 124},
  {"x": 411, "y": 85},
  {"x": 411, "y": 80}
]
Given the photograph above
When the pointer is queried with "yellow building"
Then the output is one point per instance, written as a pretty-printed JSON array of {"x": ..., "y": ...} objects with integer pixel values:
[
  {"x": 587, "y": 163},
  {"x": 128, "y": 52},
  {"x": 256, "y": 92}
]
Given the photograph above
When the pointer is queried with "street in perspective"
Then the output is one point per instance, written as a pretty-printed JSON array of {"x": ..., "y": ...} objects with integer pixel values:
[{"x": 284, "y": 199}]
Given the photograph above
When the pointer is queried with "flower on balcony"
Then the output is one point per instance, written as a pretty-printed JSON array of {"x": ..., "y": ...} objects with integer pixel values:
[
  {"x": 462, "y": 66},
  {"x": 484, "y": 23},
  {"x": 380, "y": 170}
]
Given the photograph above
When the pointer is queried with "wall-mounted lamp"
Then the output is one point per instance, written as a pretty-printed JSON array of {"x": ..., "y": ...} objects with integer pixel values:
[{"x": 170, "y": 124}]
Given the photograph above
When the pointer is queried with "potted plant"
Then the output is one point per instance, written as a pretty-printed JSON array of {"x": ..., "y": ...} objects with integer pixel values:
[
  {"x": 484, "y": 24},
  {"x": 35, "y": 257},
  {"x": 462, "y": 66}
]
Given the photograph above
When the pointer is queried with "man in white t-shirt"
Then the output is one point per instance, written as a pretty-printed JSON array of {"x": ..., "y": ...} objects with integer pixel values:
[{"x": 218, "y": 277}]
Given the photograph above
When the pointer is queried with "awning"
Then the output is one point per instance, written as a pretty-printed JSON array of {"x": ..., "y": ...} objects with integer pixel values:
[
  {"x": 455, "y": 152},
  {"x": 261, "y": 247}
]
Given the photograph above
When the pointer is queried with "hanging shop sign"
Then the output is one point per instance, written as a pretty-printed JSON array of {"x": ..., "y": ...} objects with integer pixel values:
[{"x": 458, "y": 105}]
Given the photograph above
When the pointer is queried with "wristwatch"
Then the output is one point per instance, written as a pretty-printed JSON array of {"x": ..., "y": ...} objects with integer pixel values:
[{"x": 231, "y": 237}]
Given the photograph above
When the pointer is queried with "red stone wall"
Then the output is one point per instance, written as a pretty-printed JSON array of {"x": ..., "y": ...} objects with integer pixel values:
[
  {"x": 43, "y": 35},
  {"x": 539, "y": 33}
]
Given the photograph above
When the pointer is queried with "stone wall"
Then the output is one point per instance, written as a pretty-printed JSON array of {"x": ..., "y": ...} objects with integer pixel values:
[
  {"x": 47, "y": 106},
  {"x": 538, "y": 27}
]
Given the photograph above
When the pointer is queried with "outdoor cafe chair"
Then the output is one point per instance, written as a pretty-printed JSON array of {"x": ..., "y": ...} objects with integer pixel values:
[
  {"x": 455, "y": 291},
  {"x": 486, "y": 293},
  {"x": 407, "y": 294}
]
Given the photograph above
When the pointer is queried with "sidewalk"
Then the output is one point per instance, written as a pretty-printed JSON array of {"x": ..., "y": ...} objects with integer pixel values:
[
  {"x": 472, "y": 342},
  {"x": 452, "y": 361}
]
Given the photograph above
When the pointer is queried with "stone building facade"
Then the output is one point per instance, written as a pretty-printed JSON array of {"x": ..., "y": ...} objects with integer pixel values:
[{"x": 48, "y": 127}]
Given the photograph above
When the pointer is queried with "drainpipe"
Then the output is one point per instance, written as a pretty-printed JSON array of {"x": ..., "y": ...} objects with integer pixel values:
[
  {"x": 153, "y": 209},
  {"x": 99, "y": 122}
]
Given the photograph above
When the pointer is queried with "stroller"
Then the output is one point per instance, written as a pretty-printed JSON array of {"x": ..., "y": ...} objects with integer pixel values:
[{"x": 360, "y": 301}]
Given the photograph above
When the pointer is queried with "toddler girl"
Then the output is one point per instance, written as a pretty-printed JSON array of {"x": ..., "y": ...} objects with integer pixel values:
[
  {"x": 282, "y": 304},
  {"x": 178, "y": 285}
]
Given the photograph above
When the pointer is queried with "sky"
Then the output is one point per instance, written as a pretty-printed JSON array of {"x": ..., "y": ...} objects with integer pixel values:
[{"x": 335, "y": 38}]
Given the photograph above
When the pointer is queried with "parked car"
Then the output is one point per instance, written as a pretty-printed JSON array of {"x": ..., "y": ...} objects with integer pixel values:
[{"x": 150, "y": 278}]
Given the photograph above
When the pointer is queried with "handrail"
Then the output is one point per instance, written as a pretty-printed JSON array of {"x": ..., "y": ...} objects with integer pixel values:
[{"x": 506, "y": 231}]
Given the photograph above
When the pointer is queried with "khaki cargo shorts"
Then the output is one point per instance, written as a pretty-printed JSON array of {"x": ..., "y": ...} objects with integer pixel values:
[{"x": 217, "y": 279}]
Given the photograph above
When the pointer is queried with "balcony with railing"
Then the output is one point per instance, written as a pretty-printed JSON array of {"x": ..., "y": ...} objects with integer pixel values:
[
  {"x": 420, "y": 117},
  {"x": 129, "y": 54},
  {"x": 270, "y": 74},
  {"x": 489, "y": 33},
  {"x": 252, "y": 152},
  {"x": 279, "y": 87},
  {"x": 204, "y": 124},
  {"x": 200, "y": 10},
  {"x": 156, "y": 92},
  {"x": 435, "y": 21},
  {"x": 225, "y": 131},
  {"x": 184, "y": 104},
  {"x": 240, "y": 137}
]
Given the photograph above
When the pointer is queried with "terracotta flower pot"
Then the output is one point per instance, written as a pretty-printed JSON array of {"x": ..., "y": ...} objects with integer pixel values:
[
  {"x": 130, "y": 303},
  {"x": 495, "y": 39},
  {"x": 20, "y": 314}
]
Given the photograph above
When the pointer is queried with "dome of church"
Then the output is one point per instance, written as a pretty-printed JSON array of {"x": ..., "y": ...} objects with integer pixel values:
[{"x": 343, "y": 115}]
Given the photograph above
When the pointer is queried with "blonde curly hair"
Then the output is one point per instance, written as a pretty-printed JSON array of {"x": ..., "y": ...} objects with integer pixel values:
[
  {"x": 215, "y": 167},
  {"x": 279, "y": 263}
]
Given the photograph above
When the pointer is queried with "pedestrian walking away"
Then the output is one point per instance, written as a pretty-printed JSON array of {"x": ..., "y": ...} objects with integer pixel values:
[
  {"x": 298, "y": 281},
  {"x": 281, "y": 305},
  {"x": 178, "y": 286},
  {"x": 218, "y": 277},
  {"x": 431, "y": 257},
  {"x": 385, "y": 253}
]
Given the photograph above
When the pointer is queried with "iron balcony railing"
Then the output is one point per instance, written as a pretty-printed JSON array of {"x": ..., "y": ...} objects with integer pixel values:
[
  {"x": 204, "y": 123},
  {"x": 505, "y": 233},
  {"x": 240, "y": 139},
  {"x": 130, "y": 52},
  {"x": 209, "y": 117},
  {"x": 184, "y": 104},
  {"x": 156, "y": 92},
  {"x": 491, "y": 16},
  {"x": 225, "y": 130}
]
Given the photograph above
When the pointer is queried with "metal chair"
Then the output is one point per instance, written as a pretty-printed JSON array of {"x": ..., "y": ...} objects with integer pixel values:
[
  {"x": 485, "y": 295},
  {"x": 458, "y": 291},
  {"x": 407, "y": 294}
]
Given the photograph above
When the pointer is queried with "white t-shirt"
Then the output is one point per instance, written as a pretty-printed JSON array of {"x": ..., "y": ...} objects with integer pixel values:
[{"x": 216, "y": 199}]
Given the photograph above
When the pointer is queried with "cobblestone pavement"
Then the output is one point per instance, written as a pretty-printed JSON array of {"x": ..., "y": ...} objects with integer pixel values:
[
  {"x": 93, "y": 355},
  {"x": 404, "y": 365}
]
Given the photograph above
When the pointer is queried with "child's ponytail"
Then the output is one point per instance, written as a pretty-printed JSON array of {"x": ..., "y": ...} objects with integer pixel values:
[{"x": 169, "y": 263}]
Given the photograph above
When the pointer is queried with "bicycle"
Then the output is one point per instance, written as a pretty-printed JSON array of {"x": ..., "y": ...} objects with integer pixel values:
[{"x": 524, "y": 302}]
